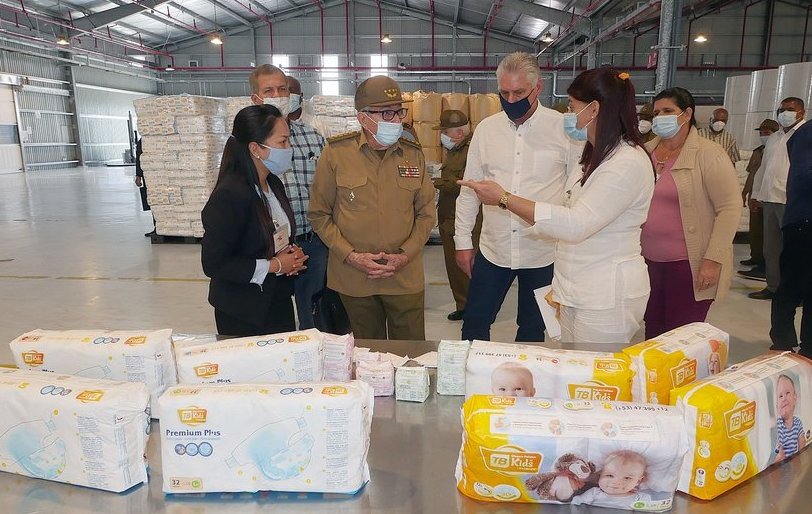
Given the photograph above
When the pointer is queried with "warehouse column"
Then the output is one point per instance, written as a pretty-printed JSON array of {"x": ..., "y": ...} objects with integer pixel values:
[
  {"x": 76, "y": 127},
  {"x": 592, "y": 51},
  {"x": 670, "y": 15}
]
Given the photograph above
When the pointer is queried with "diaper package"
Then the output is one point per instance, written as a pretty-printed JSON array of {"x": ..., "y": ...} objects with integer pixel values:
[
  {"x": 379, "y": 374},
  {"x": 412, "y": 382},
  {"x": 74, "y": 430},
  {"x": 675, "y": 359},
  {"x": 536, "y": 450},
  {"x": 451, "y": 357},
  {"x": 338, "y": 352},
  {"x": 286, "y": 358},
  {"x": 743, "y": 420},
  {"x": 181, "y": 342},
  {"x": 529, "y": 371},
  {"x": 126, "y": 355},
  {"x": 309, "y": 437}
]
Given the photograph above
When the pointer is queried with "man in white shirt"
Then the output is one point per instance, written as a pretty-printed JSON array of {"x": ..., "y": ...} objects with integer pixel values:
[
  {"x": 524, "y": 148},
  {"x": 770, "y": 191}
]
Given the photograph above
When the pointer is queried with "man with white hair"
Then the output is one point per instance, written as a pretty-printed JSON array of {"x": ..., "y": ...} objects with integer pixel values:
[{"x": 525, "y": 149}]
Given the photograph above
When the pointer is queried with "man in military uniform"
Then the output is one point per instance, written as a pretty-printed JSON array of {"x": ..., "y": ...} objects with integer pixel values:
[
  {"x": 644, "y": 119},
  {"x": 373, "y": 205},
  {"x": 455, "y": 137}
]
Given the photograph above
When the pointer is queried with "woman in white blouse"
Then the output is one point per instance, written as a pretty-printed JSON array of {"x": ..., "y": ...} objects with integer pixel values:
[{"x": 600, "y": 281}]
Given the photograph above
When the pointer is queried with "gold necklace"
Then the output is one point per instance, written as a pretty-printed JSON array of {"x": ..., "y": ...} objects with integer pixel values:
[{"x": 661, "y": 163}]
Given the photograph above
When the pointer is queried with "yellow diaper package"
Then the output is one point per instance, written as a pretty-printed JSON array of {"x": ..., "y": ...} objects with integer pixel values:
[
  {"x": 675, "y": 359},
  {"x": 537, "y": 450},
  {"x": 533, "y": 371},
  {"x": 743, "y": 420}
]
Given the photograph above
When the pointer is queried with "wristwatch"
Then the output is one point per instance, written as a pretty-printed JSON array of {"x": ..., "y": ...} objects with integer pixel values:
[{"x": 503, "y": 200}]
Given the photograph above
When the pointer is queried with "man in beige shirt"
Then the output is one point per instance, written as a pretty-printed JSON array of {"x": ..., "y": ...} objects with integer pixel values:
[{"x": 372, "y": 203}]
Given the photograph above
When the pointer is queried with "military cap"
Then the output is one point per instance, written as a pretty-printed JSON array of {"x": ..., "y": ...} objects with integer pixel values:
[
  {"x": 452, "y": 119},
  {"x": 378, "y": 91}
]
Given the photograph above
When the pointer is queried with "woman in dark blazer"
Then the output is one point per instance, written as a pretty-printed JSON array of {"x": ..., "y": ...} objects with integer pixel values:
[{"x": 247, "y": 249}]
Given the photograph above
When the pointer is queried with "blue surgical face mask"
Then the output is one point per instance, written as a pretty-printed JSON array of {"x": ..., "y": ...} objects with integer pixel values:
[
  {"x": 666, "y": 125},
  {"x": 571, "y": 122},
  {"x": 447, "y": 142},
  {"x": 279, "y": 159},
  {"x": 295, "y": 102},
  {"x": 787, "y": 118},
  {"x": 387, "y": 133}
]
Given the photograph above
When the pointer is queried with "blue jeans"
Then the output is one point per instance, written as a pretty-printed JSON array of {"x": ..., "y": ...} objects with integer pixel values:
[
  {"x": 489, "y": 286},
  {"x": 312, "y": 281}
]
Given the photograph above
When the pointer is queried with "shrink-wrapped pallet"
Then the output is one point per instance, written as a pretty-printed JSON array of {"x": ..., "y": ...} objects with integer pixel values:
[
  {"x": 426, "y": 106},
  {"x": 456, "y": 101},
  {"x": 483, "y": 105}
]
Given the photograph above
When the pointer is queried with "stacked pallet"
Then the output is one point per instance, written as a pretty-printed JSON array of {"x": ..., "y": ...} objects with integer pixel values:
[
  {"x": 331, "y": 115},
  {"x": 235, "y": 104},
  {"x": 183, "y": 141},
  {"x": 481, "y": 106},
  {"x": 426, "y": 109}
]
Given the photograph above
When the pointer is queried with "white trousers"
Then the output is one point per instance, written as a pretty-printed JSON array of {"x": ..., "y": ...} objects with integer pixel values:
[{"x": 615, "y": 325}]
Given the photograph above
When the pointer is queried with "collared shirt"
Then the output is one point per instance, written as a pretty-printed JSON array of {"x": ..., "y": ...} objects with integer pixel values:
[
  {"x": 770, "y": 182},
  {"x": 725, "y": 139},
  {"x": 307, "y": 146},
  {"x": 371, "y": 201},
  {"x": 598, "y": 232},
  {"x": 531, "y": 160}
]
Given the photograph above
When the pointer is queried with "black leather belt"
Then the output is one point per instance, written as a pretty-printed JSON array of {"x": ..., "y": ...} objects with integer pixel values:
[{"x": 306, "y": 237}]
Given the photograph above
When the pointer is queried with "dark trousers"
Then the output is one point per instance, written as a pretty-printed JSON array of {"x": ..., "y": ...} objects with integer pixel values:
[
  {"x": 311, "y": 281},
  {"x": 794, "y": 289},
  {"x": 278, "y": 319},
  {"x": 489, "y": 286},
  {"x": 671, "y": 303},
  {"x": 457, "y": 278},
  {"x": 756, "y": 237}
]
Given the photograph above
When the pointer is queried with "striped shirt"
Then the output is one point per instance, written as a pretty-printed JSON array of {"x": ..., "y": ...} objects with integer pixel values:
[
  {"x": 788, "y": 437},
  {"x": 307, "y": 145},
  {"x": 725, "y": 139}
]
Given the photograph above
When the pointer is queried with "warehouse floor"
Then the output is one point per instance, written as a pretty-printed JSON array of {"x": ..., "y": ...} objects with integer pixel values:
[{"x": 74, "y": 256}]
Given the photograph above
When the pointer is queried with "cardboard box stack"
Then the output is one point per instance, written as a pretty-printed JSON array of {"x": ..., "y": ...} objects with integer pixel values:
[
  {"x": 481, "y": 106},
  {"x": 332, "y": 115},
  {"x": 184, "y": 137},
  {"x": 426, "y": 109},
  {"x": 233, "y": 105}
]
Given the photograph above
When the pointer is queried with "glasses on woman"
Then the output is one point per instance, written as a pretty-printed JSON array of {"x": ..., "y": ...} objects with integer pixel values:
[{"x": 389, "y": 114}]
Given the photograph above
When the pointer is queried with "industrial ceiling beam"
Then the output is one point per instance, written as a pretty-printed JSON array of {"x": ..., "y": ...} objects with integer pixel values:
[
  {"x": 543, "y": 12},
  {"x": 110, "y": 16},
  {"x": 226, "y": 9}
]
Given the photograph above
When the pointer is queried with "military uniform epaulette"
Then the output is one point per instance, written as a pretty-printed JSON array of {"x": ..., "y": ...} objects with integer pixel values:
[
  {"x": 411, "y": 143},
  {"x": 342, "y": 137}
]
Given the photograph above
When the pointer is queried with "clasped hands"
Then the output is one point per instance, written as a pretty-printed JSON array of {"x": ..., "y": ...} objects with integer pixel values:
[
  {"x": 377, "y": 265},
  {"x": 291, "y": 260}
]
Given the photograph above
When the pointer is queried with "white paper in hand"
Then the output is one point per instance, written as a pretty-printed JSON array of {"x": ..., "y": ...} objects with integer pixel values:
[{"x": 548, "y": 312}]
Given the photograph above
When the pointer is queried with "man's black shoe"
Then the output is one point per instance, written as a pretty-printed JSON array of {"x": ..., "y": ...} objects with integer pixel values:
[
  {"x": 455, "y": 316},
  {"x": 764, "y": 294}
]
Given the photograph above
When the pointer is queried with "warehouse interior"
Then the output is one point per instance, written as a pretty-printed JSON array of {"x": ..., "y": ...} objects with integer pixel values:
[{"x": 73, "y": 251}]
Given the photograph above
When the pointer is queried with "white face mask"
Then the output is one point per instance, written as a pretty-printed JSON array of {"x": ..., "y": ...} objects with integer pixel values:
[
  {"x": 787, "y": 118},
  {"x": 764, "y": 139},
  {"x": 295, "y": 102},
  {"x": 447, "y": 142},
  {"x": 718, "y": 126},
  {"x": 644, "y": 126},
  {"x": 280, "y": 102}
]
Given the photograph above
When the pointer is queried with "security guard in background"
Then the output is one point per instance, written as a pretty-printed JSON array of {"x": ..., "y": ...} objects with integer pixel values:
[
  {"x": 372, "y": 203},
  {"x": 455, "y": 137}
]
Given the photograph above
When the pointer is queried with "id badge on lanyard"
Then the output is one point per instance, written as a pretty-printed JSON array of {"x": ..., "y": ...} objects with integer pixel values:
[{"x": 281, "y": 237}]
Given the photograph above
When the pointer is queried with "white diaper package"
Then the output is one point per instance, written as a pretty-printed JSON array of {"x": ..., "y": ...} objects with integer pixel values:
[
  {"x": 184, "y": 341},
  {"x": 309, "y": 437},
  {"x": 412, "y": 382},
  {"x": 675, "y": 359},
  {"x": 74, "y": 430},
  {"x": 537, "y": 450},
  {"x": 126, "y": 355},
  {"x": 379, "y": 374},
  {"x": 743, "y": 420},
  {"x": 534, "y": 371},
  {"x": 451, "y": 358},
  {"x": 285, "y": 358},
  {"x": 338, "y": 353}
]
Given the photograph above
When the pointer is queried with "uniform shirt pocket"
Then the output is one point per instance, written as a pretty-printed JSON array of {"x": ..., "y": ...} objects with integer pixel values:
[
  {"x": 352, "y": 191},
  {"x": 407, "y": 191}
]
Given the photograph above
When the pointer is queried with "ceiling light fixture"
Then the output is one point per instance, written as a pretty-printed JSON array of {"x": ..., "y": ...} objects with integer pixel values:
[
  {"x": 169, "y": 68},
  {"x": 386, "y": 39},
  {"x": 216, "y": 39},
  {"x": 548, "y": 38},
  {"x": 62, "y": 40},
  {"x": 700, "y": 39},
  {"x": 136, "y": 65}
]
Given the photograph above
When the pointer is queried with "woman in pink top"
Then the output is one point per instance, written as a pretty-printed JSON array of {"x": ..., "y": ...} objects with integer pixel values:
[{"x": 687, "y": 240}]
